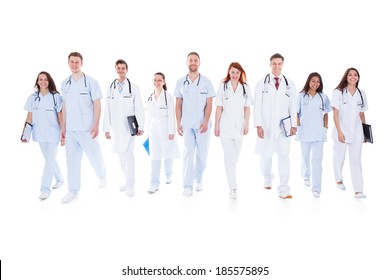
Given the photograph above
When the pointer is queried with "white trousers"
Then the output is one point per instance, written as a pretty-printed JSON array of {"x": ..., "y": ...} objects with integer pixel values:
[
  {"x": 282, "y": 149},
  {"x": 311, "y": 164},
  {"x": 78, "y": 142},
  {"x": 156, "y": 168},
  {"x": 355, "y": 163},
  {"x": 49, "y": 152},
  {"x": 231, "y": 151},
  {"x": 194, "y": 141},
  {"x": 127, "y": 162}
]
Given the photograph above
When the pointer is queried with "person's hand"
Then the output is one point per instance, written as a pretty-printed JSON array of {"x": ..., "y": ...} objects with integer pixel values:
[
  {"x": 180, "y": 129},
  {"x": 171, "y": 136},
  {"x": 341, "y": 137},
  {"x": 260, "y": 132},
  {"x": 94, "y": 131},
  {"x": 293, "y": 131},
  {"x": 23, "y": 140},
  {"x": 217, "y": 131},
  {"x": 204, "y": 126},
  {"x": 140, "y": 132},
  {"x": 246, "y": 130},
  {"x": 108, "y": 135}
]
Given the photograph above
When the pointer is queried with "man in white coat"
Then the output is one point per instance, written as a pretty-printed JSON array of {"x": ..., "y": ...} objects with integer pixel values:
[
  {"x": 123, "y": 100},
  {"x": 275, "y": 118}
]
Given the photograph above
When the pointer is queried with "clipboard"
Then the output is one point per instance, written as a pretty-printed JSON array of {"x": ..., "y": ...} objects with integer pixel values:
[
  {"x": 286, "y": 126},
  {"x": 133, "y": 125},
  {"x": 27, "y": 130},
  {"x": 146, "y": 146},
  {"x": 367, "y": 131}
]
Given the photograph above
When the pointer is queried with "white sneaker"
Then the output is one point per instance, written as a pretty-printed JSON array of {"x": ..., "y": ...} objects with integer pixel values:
[
  {"x": 360, "y": 195},
  {"x": 198, "y": 187},
  {"x": 168, "y": 180},
  {"x": 130, "y": 192},
  {"x": 340, "y": 186},
  {"x": 233, "y": 194},
  {"x": 187, "y": 192},
  {"x": 44, "y": 195},
  {"x": 307, "y": 183},
  {"x": 103, "y": 183},
  {"x": 57, "y": 185},
  {"x": 153, "y": 189},
  {"x": 123, "y": 188},
  {"x": 316, "y": 194},
  {"x": 69, "y": 197}
]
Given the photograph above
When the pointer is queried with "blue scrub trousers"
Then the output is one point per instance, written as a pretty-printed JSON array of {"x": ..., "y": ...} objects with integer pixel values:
[
  {"x": 49, "y": 152},
  {"x": 312, "y": 153},
  {"x": 195, "y": 142},
  {"x": 76, "y": 143}
]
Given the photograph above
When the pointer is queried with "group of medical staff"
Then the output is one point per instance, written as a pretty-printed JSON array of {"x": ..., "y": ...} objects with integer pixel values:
[{"x": 279, "y": 114}]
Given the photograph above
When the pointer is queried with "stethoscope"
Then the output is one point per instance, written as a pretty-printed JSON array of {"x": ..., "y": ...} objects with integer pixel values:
[
  {"x": 226, "y": 93},
  {"x": 37, "y": 100},
  {"x": 306, "y": 99},
  {"x": 150, "y": 99},
  {"x": 187, "y": 82},
  {"x": 266, "y": 84},
  {"x": 113, "y": 87},
  {"x": 69, "y": 83},
  {"x": 345, "y": 99}
]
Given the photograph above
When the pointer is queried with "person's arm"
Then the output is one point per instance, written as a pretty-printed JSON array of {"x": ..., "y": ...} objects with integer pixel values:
[
  {"x": 207, "y": 113},
  {"x": 96, "y": 117},
  {"x": 326, "y": 120},
  {"x": 257, "y": 109},
  {"x": 336, "y": 118},
  {"x": 247, "y": 112},
  {"x": 63, "y": 123},
  {"x": 179, "y": 111},
  {"x": 362, "y": 117},
  {"x": 218, "y": 113},
  {"x": 171, "y": 117}
]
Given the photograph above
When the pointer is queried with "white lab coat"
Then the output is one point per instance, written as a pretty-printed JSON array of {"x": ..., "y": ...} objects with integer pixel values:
[
  {"x": 270, "y": 107},
  {"x": 161, "y": 123},
  {"x": 118, "y": 107}
]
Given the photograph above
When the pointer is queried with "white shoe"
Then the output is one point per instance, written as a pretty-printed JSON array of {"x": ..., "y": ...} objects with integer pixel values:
[
  {"x": 233, "y": 194},
  {"x": 153, "y": 189},
  {"x": 198, "y": 187},
  {"x": 360, "y": 195},
  {"x": 187, "y": 192},
  {"x": 44, "y": 195},
  {"x": 316, "y": 194},
  {"x": 57, "y": 185},
  {"x": 69, "y": 197},
  {"x": 168, "y": 180},
  {"x": 103, "y": 183},
  {"x": 340, "y": 186},
  {"x": 130, "y": 192},
  {"x": 307, "y": 183},
  {"x": 123, "y": 188}
]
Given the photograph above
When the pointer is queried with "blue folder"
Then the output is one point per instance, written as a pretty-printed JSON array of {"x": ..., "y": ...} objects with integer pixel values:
[{"x": 146, "y": 145}]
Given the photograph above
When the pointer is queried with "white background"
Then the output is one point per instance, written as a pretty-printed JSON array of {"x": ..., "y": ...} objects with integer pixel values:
[{"x": 103, "y": 231}]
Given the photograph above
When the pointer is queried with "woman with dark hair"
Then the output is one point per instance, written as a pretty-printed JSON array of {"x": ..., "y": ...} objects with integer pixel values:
[
  {"x": 349, "y": 104},
  {"x": 161, "y": 128},
  {"x": 312, "y": 120},
  {"x": 234, "y": 99},
  {"x": 44, "y": 108}
]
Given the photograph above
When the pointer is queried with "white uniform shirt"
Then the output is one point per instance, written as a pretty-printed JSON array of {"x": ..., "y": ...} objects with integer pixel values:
[
  {"x": 349, "y": 114},
  {"x": 78, "y": 98},
  {"x": 161, "y": 123},
  {"x": 232, "y": 120},
  {"x": 311, "y": 110},
  {"x": 272, "y": 105},
  {"x": 44, "y": 110},
  {"x": 118, "y": 107},
  {"x": 194, "y": 95}
]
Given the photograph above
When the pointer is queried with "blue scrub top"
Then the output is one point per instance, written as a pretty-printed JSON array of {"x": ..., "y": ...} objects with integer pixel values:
[
  {"x": 194, "y": 97},
  {"x": 311, "y": 111},
  {"x": 44, "y": 110},
  {"x": 78, "y": 98}
]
